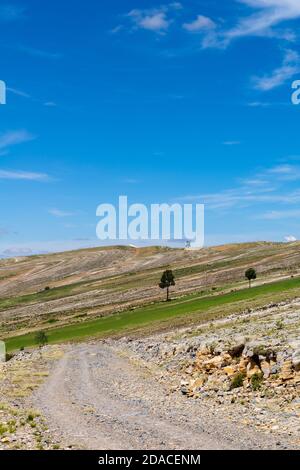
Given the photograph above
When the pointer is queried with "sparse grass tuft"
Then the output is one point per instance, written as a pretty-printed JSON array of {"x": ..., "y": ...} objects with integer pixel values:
[
  {"x": 256, "y": 381},
  {"x": 237, "y": 380}
]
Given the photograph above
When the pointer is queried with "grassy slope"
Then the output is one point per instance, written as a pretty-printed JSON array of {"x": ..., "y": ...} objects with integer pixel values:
[{"x": 186, "y": 307}]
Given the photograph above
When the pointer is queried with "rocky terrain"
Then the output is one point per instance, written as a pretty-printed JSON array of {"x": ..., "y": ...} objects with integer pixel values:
[
  {"x": 21, "y": 425},
  {"x": 230, "y": 384},
  {"x": 245, "y": 368}
]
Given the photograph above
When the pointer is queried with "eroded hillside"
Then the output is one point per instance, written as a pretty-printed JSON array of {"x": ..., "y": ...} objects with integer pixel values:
[{"x": 54, "y": 290}]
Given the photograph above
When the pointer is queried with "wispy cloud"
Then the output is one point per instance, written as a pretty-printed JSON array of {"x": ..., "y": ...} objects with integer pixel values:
[
  {"x": 17, "y": 92},
  {"x": 290, "y": 67},
  {"x": 268, "y": 14},
  {"x": 60, "y": 213},
  {"x": 266, "y": 187},
  {"x": 50, "y": 104},
  {"x": 24, "y": 175},
  {"x": 279, "y": 215},
  {"x": 10, "y": 12},
  {"x": 23, "y": 94},
  {"x": 131, "y": 181},
  {"x": 286, "y": 172},
  {"x": 11, "y": 138},
  {"x": 39, "y": 52},
  {"x": 205, "y": 27},
  {"x": 231, "y": 142},
  {"x": 264, "y": 20}
]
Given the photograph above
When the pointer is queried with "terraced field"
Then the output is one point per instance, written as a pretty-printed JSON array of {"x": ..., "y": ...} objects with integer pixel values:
[{"x": 108, "y": 290}]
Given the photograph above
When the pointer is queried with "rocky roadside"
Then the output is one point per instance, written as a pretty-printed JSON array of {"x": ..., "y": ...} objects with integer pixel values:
[
  {"x": 246, "y": 368},
  {"x": 21, "y": 426}
]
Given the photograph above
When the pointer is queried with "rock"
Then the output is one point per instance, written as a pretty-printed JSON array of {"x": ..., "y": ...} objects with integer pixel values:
[
  {"x": 252, "y": 369},
  {"x": 255, "y": 348},
  {"x": 243, "y": 365},
  {"x": 237, "y": 347},
  {"x": 265, "y": 367},
  {"x": 230, "y": 370},
  {"x": 286, "y": 372},
  {"x": 197, "y": 383},
  {"x": 296, "y": 360}
]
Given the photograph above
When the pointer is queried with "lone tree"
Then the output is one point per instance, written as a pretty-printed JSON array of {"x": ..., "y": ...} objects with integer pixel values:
[
  {"x": 250, "y": 274},
  {"x": 41, "y": 338},
  {"x": 167, "y": 280}
]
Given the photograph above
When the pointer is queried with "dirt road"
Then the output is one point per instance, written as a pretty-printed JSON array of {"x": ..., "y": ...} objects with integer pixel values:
[{"x": 96, "y": 398}]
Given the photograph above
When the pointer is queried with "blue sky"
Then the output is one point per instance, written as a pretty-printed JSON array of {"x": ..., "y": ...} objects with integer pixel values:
[{"x": 161, "y": 101}]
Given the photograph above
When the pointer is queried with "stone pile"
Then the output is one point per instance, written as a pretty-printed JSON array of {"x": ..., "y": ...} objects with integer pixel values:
[{"x": 240, "y": 365}]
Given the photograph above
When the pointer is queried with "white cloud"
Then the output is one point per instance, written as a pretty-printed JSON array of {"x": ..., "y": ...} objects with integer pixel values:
[
  {"x": 10, "y": 138},
  {"x": 265, "y": 21},
  {"x": 24, "y": 175},
  {"x": 200, "y": 24},
  {"x": 270, "y": 13},
  {"x": 155, "y": 19},
  {"x": 60, "y": 213},
  {"x": 290, "y": 67},
  {"x": 290, "y": 238},
  {"x": 156, "y": 22}
]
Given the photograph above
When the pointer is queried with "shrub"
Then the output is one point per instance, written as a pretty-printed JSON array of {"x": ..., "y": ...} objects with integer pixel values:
[
  {"x": 256, "y": 381},
  {"x": 41, "y": 338},
  {"x": 279, "y": 325},
  {"x": 237, "y": 380}
]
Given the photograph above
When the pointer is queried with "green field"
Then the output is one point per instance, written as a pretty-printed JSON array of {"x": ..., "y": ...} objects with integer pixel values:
[{"x": 185, "y": 307}]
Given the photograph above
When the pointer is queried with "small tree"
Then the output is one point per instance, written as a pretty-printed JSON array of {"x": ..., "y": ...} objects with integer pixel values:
[
  {"x": 41, "y": 338},
  {"x": 250, "y": 274},
  {"x": 167, "y": 280}
]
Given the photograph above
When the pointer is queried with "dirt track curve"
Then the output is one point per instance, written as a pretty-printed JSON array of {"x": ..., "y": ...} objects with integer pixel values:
[{"x": 96, "y": 398}]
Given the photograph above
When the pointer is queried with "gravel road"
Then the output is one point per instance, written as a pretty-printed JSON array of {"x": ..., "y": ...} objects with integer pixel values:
[{"x": 97, "y": 398}]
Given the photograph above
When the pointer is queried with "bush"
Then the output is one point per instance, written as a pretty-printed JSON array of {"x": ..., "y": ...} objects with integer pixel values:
[
  {"x": 237, "y": 380},
  {"x": 41, "y": 338},
  {"x": 256, "y": 381}
]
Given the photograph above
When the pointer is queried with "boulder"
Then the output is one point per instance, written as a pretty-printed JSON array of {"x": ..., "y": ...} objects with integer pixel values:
[
  {"x": 197, "y": 383},
  {"x": 256, "y": 348},
  {"x": 296, "y": 360},
  {"x": 252, "y": 369},
  {"x": 237, "y": 346},
  {"x": 286, "y": 372},
  {"x": 230, "y": 370},
  {"x": 266, "y": 370},
  {"x": 243, "y": 365}
]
